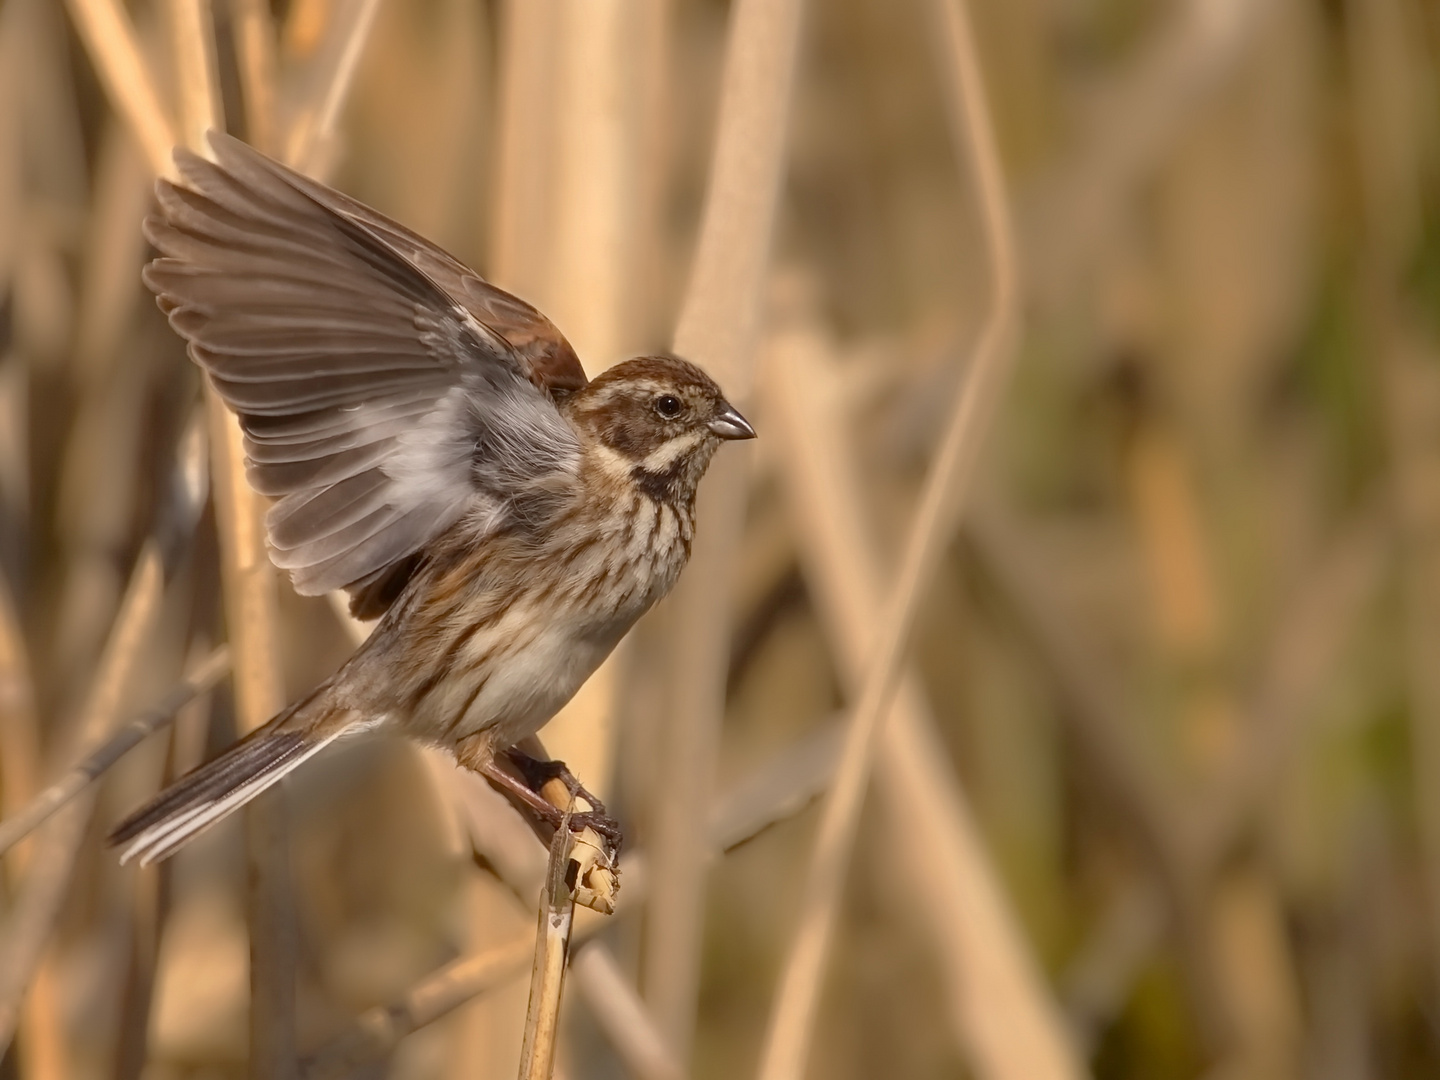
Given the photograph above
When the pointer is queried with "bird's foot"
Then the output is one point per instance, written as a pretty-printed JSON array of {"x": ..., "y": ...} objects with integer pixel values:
[
  {"x": 603, "y": 824},
  {"x": 540, "y": 771},
  {"x": 526, "y": 790}
]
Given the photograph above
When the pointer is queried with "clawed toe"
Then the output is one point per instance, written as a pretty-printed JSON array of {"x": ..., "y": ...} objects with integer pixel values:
[{"x": 603, "y": 824}]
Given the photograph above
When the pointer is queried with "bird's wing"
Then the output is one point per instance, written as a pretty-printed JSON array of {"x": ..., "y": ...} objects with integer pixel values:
[
  {"x": 378, "y": 405},
  {"x": 547, "y": 357}
]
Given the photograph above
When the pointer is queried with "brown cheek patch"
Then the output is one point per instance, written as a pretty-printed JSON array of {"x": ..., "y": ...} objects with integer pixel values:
[{"x": 627, "y": 433}]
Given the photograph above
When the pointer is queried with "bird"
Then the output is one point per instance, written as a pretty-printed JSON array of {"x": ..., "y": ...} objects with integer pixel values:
[{"x": 433, "y": 447}]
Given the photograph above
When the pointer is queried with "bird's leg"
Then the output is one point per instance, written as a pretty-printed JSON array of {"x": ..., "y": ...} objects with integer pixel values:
[
  {"x": 539, "y": 770},
  {"x": 547, "y": 811}
]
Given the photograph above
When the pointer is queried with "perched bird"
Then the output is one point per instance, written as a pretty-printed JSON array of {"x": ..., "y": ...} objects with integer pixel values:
[{"x": 436, "y": 450}]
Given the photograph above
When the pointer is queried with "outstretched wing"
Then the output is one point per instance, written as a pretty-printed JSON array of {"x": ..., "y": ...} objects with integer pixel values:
[{"x": 385, "y": 391}]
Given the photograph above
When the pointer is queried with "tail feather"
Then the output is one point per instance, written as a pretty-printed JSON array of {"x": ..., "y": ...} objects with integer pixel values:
[{"x": 214, "y": 791}]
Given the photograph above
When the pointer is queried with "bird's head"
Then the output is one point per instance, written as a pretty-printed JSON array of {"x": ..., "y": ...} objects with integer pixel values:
[{"x": 658, "y": 418}]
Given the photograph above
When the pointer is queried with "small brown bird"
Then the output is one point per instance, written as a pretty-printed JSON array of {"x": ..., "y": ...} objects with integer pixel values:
[{"x": 436, "y": 450}]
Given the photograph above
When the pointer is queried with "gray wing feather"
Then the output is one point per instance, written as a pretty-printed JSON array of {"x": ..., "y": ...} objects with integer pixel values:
[{"x": 376, "y": 407}]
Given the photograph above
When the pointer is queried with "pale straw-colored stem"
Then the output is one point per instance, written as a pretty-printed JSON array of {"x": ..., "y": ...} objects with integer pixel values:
[
  {"x": 1000, "y": 1010},
  {"x": 109, "y": 37},
  {"x": 94, "y": 764},
  {"x": 20, "y": 727},
  {"x": 114, "y": 248},
  {"x": 43, "y": 1050},
  {"x": 196, "y": 73},
  {"x": 775, "y": 792},
  {"x": 621, "y": 1015},
  {"x": 313, "y": 127},
  {"x": 720, "y": 318},
  {"x": 547, "y": 975},
  {"x": 792, "y": 1019},
  {"x": 249, "y": 588},
  {"x": 524, "y": 152},
  {"x": 48, "y": 870},
  {"x": 376, "y": 1031},
  {"x": 255, "y": 57},
  {"x": 587, "y": 290},
  {"x": 718, "y": 329}
]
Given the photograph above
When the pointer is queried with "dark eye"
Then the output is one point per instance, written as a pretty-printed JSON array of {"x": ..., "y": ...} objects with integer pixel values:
[{"x": 668, "y": 406}]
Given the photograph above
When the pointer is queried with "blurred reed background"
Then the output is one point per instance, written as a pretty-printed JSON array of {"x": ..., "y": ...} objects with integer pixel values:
[{"x": 1159, "y": 792}]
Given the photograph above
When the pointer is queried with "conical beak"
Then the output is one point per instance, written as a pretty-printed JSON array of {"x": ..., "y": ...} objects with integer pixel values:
[{"x": 729, "y": 424}]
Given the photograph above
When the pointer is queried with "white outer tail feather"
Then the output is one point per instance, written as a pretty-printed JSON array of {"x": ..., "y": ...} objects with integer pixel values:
[{"x": 167, "y": 836}]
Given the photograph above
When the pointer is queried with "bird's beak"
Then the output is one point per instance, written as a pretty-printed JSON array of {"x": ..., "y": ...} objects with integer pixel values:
[{"x": 729, "y": 424}]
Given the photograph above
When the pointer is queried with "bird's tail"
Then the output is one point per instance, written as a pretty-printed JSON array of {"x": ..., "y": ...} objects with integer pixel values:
[{"x": 218, "y": 788}]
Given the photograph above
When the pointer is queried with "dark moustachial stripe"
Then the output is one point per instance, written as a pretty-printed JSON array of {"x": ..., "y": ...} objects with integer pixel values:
[{"x": 659, "y": 486}]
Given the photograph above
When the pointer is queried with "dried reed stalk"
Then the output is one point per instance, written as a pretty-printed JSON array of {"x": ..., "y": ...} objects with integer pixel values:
[
  {"x": 249, "y": 590},
  {"x": 109, "y": 37},
  {"x": 197, "y": 76},
  {"x": 621, "y": 1016},
  {"x": 48, "y": 870},
  {"x": 519, "y": 227},
  {"x": 792, "y": 1017},
  {"x": 547, "y": 975},
  {"x": 998, "y": 1003},
  {"x": 20, "y": 729},
  {"x": 255, "y": 56},
  {"x": 521, "y": 214},
  {"x": 376, "y": 1032},
  {"x": 312, "y": 128},
  {"x": 591, "y": 264},
  {"x": 151, "y": 887},
  {"x": 654, "y": 161},
  {"x": 596, "y": 161},
  {"x": 29, "y": 52},
  {"x": 88, "y": 769},
  {"x": 561, "y": 222},
  {"x": 95, "y": 502},
  {"x": 149, "y": 902},
  {"x": 504, "y": 842},
  {"x": 774, "y": 793},
  {"x": 612, "y": 1001},
  {"x": 718, "y": 328},
  {"x": 43, "y": 1052},
  {"x": 114, "y": 248}
]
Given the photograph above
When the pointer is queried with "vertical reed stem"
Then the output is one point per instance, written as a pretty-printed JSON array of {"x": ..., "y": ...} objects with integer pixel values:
[{"x": 717, "y": 328}]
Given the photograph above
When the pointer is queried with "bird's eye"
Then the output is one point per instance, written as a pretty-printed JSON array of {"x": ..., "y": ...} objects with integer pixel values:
[{"x": 668, "y": 406}]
